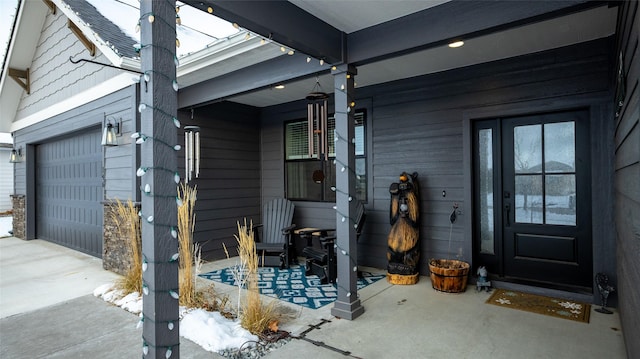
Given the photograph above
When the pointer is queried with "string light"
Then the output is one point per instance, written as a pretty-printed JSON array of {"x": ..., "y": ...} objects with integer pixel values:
[
  {"x": 344, "y": 167},
  {"x": 168, "y": 348},
  {"x": 345, "y": 216},
  {"x": 147, "y": 192},
  {"x": 138, "y": 47},
  {"x": 143, "y": 170},
  {"x": 142, "y": 138},
  {"x": 335, "y": 189},
  {"x": 173, "y": 293},
  {"x": 170, "y": 323},
  {"x": 143, "y": 106},
  {"x": 147, "y": 77}
]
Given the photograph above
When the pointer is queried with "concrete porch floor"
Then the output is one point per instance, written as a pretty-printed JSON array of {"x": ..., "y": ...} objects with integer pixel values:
[{"x": 45, "y": 287}]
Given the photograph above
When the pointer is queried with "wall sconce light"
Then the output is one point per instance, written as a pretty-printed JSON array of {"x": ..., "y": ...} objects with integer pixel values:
[
  {"x": 111, "y": 131},
  {"x": 192, "y": 152},
  {"x": 16, "y": 155}
]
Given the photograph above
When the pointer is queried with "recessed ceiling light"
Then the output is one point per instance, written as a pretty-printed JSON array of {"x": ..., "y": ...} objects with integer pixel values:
[
  {"x": 456, "y": 44},
  {"x": 279, "y": 87}
]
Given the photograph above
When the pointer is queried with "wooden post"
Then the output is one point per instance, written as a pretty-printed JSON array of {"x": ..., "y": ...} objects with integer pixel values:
[
  {"x": 158, "y": 108},
  {"x": 347, "y": 305}
]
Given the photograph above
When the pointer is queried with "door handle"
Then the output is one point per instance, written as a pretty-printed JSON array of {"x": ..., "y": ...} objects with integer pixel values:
[{"x": 507, "y": 208}]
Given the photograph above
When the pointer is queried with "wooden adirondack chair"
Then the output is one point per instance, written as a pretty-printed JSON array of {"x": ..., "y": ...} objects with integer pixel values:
[
  {"x": 322, "y": 261},
  {"x": 274, "y": 246}
]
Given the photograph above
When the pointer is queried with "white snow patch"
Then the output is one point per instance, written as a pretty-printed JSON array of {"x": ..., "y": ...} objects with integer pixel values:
[
  {"x": 132, "y": 302},
  {"x": 6, "y": 224},
  {"x": 210, "y": 330},
  {"x": 213, "y": 332},
  {"x": 101, "y": 290}
]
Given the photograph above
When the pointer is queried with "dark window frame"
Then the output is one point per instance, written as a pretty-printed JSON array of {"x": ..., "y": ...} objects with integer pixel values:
[{"x": 326, "y": 194}]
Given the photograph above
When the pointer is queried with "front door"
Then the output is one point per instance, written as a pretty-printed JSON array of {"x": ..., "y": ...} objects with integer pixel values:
[{"x": 532, "y": 198}]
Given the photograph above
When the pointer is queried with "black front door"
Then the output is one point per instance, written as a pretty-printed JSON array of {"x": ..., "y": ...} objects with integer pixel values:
[{"x": 532, "y": 198}]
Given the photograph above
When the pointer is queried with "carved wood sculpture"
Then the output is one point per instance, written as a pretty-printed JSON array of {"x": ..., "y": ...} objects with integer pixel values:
[{"x": 403, "y": 252}]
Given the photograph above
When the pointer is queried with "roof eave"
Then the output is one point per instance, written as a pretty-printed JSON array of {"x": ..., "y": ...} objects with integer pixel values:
[{"x": 94, "y": 37}]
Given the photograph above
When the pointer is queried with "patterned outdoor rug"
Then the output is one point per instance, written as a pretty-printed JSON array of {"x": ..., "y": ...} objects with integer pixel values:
[
  {"x": 554, "y": 307},
  {"x": 291, "y": 285}
]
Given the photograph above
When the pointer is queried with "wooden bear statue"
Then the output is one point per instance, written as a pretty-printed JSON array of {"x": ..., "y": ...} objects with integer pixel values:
[{"x": 403, "y": 253}]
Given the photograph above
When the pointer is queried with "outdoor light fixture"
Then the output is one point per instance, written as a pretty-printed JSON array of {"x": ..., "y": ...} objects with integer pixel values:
[
  {"x": 111, "y": 131},
  {"x": 16, "y": 155},
  {"x": 192, "y": 152},
  {"x": 455, "y": 44},
  {"x": 317, "y": 122}
]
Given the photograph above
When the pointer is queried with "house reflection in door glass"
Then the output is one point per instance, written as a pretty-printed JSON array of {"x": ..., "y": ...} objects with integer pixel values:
[
  {"x": 545, "y": 194},
  {"x": 529, "y": 199}
]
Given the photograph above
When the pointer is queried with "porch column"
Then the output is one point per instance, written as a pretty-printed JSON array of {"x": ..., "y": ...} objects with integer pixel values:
[
  {"x": 158, "y": 167},
  {"x": 347, "y": 305}
]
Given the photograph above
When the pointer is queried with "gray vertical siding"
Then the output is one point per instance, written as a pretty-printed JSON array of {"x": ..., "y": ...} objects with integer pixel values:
[
  {"x": 627, "y": 179},
  {"x": 229, "y": 183},
  {"x": 419, "y": 124}
]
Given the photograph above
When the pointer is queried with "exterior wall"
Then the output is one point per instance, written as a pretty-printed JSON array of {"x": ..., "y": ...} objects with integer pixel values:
[
  {"x": 53, "y": 77},
  {"x": 117, "y": 160},
  {"x": 423, "y": 124},
  {"x": 6, "y": 179},
  {"x": 627, "y": 179},
  {"x": 228, "y": 189}
]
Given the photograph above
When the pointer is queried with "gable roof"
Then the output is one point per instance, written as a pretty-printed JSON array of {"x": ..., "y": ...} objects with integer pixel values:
[
  {"x": 228, "y": 53},
  {"x": 112, "y": 36}
]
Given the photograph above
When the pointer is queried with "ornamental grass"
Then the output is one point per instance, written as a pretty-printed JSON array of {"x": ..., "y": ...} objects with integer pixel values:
[
  {"x": 127, "y": 221},
  {"x": 255, "y": 316}
]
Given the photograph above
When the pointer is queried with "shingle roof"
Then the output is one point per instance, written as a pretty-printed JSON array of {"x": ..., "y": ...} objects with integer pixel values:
[{"x": 111, "y": 34}]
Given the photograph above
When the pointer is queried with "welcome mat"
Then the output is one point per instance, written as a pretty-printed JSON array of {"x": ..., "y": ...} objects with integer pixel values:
[
  {"x": 291, "y": 285},
  {"x": 554, "y": 307}
]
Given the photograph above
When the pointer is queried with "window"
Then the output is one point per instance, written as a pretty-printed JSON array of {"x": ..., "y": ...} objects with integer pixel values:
[{"x": 300, "y": 168}]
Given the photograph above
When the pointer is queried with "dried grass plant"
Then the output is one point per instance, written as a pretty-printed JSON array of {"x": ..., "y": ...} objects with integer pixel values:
[
  {"x": 127, "y": 221},
  {"x": 187, "y": 250},
  {"x": 255, "y": 316}
]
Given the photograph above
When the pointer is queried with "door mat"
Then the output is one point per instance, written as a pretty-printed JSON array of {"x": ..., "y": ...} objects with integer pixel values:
[
  {"x": 559, "y": 308},
  {"x": 291, "y": 285}
]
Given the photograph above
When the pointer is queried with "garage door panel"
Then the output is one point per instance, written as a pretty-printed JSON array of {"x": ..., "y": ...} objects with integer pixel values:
[{"x": 69, "y": 192}]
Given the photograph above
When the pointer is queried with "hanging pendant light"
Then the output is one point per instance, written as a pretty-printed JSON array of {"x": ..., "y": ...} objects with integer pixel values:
[{"x": 317, "y": 122}]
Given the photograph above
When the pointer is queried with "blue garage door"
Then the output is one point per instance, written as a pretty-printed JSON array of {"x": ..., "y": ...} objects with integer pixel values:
[{"x": 69, "y": 192}]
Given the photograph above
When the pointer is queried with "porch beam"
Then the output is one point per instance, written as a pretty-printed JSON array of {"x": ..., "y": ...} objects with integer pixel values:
[
  {"x": 262, "y": 75},
  {"x": 284, "y": 23},
  {"x": 451, "y": 21},
  {"x": 347, "y": 305}
]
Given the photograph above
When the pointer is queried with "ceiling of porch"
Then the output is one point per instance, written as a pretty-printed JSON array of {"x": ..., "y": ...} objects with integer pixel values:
[{"x": 353, "y": 16}]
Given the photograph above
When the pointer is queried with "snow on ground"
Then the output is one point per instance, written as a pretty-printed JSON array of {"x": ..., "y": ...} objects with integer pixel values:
[
  {"x": 6, "y": 224},
  {"x": 210, "y": 330}
]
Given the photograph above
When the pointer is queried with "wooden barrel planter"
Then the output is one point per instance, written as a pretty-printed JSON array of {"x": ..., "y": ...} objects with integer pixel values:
[{"x": 449, "y": 275}]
